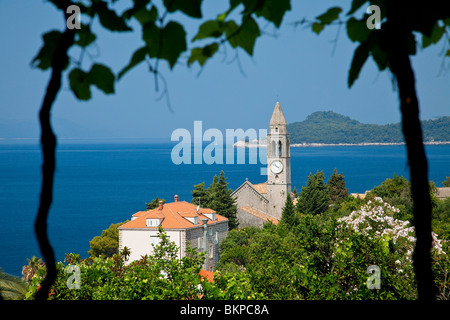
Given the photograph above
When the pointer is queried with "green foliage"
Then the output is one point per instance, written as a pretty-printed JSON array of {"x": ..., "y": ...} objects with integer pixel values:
[
  {"x": 108, "y": 243},
  {"x": 203, "y": 54},
  {"x": 319, "y": 256},
  {"x": 295, "y": 192},
  {"x": 99, "y": 75},
  {"x": 154, "y": 203},
  {"x": 160, "y": 276},
  {"x": 221, "y": 201},
  {"x": 289, "y": 218},
  {"x": 191, "y": 8},
  {"x": 199, "y": 194},
  {"x": 109, "y": 18},
  {"x": 324, "y": 257},
  {"x": 326, "y": 19},
  {"x": 164, "y": 37},
  {"x": 440, "y": 219},
  {"x": 441, "y": 270},
  {"x": 43, "y": 60},
  {"x": 330, "y": 127},
  {"x": 446, "y": 182},
  {"x": 396, "y": 191},
  {"x": 241, "y": 35},
  {"x": 166, "y": 42},
  {"x": 336, "y": 187},
  {"x": 436, "y": 35},
  {"x": 431, "y": 22},
  {"x": 372, "y": 236},
  {"x": 11, "y": 287},
  {"x": 359, "y": 58},
  {"x": 218, "y": 198},
  {"x": 314, "y": 198}
]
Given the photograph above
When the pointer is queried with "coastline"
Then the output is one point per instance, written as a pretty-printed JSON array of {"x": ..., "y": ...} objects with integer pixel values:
[
  {"x": 364, "y": 144},
  {"x": 242, "y": 144}
]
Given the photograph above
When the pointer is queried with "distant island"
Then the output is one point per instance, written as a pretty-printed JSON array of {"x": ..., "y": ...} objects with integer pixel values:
[{"x": 328, "y": 128}]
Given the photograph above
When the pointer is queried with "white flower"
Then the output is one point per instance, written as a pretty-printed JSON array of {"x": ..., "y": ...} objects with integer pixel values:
[{"x": 375, "y": 219}]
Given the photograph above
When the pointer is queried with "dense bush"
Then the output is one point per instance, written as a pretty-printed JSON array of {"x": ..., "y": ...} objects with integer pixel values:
[
  {"x": 319, "y": 255},
  {"x": 327, "y": 256},
  {"x": 160, "y": 276}
]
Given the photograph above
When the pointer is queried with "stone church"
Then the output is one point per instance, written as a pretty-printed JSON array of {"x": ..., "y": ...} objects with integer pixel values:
[{"x": 258, "y": 203}]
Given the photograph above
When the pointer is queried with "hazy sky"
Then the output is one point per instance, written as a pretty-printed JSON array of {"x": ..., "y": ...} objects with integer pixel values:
[{"x": 297, "y": 66}]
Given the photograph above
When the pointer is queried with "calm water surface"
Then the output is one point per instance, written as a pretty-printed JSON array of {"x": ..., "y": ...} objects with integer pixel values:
[{"x": 97, "y": 184}]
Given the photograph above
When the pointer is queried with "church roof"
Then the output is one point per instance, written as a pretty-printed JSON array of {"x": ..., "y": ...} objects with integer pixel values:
[
  {"x": 260, "y": 188},
  {"x": 259, "y": 214},
  {"x": 443, "y": 193},
  {"x": 278, "y": 116}
]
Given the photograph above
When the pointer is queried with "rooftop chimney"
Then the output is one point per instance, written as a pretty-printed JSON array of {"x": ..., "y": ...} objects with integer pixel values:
[
  {"x": 176, "y": 198},
  {"x": 160, "y": 205}
]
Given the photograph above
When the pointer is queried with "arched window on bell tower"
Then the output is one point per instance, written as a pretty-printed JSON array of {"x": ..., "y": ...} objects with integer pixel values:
[
  {"x": 279, "y": 149},
  {"x": 272, "y": 149}
]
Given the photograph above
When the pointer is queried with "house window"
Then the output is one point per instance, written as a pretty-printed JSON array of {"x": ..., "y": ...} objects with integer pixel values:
[
  {"x": 211, "y": 251},
  {"x": 193, "y": 220},
  {"x": 154, "y": 240},
  {"x": 217, "y": 237},
  {"x": 152, "y": 222}
]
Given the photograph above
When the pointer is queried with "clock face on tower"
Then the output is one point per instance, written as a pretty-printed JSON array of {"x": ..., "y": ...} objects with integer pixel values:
[{"x": 276, "y": 166}]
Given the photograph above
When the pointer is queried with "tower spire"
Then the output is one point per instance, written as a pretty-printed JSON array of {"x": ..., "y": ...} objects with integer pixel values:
[{"x": 277, "y": 116}]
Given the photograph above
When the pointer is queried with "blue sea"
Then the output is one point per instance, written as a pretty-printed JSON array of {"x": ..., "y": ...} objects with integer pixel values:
[{"x": 102, "y": 182}]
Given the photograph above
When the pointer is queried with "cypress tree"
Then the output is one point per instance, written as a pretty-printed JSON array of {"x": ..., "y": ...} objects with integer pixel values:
[
  {"x": 314, "y": 198},
  {"x": 221, "y": 201},
  {"x": 289, "y": 218},
  {"x": 336, "y": 187},
  {"x": 200, "y": 195}
]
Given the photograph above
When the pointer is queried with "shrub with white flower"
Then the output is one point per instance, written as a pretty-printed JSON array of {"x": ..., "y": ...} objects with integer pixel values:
[
  {"x": 371, "y": 236},
  {"x": 375, "y": 220}
]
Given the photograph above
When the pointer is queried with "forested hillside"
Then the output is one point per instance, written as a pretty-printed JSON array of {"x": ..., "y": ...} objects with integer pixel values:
[{"x": 331, "y": 127}]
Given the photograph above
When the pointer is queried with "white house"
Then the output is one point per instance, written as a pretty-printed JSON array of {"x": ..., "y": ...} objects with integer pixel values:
[{"x": 183, "y": 222}]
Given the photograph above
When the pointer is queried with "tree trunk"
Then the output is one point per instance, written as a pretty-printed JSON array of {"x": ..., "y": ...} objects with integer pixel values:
[
  {"x": 48, "y": 142},
  {"x": 412, "y": 131}
]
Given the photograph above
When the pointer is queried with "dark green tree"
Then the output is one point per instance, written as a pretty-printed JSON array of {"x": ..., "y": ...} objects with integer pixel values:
[
  {"x": 336, "y": 187},
  {"x": 295, "y": 192},
  {"x": 200, "y": 195},
  {"x": 289, "y": 218},
  {"x": 314, "y": 198},
  {"x": 154, "y": 203},
  {"x": 108, "y": 243},
  {"x": 397, "y": 192},
  {"x": 218, "y": 198},
  {"x": 221, "y": 201},
  {"x": 446, "y": 182}
]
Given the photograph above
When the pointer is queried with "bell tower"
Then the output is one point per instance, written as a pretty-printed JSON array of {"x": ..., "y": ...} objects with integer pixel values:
[{"x": 278, "y": 163}]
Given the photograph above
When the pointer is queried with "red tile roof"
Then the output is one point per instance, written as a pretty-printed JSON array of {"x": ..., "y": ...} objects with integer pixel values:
[
  {"x": 174, "y": 216},
  {"x": 208, "y": 275}
]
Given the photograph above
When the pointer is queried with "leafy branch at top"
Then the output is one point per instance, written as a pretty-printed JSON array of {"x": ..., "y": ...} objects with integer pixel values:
[
  {"x": 163, "y": 37},
  {"x": 372, "y": 42}
]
